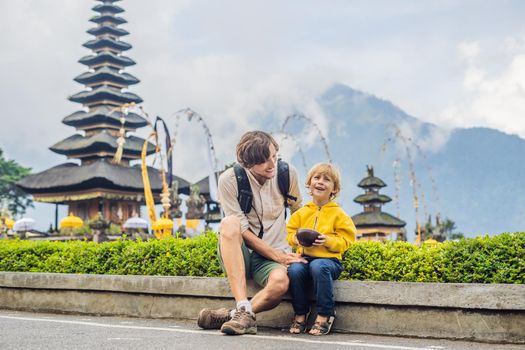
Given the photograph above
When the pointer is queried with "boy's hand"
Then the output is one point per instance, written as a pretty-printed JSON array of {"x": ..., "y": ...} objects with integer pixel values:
[{"x": 320, "y": 241}]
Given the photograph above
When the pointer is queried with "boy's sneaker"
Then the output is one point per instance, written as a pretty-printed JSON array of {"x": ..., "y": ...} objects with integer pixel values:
[
  {"x": 213, "y": 319},
  {"x": 242, "y": 322}
]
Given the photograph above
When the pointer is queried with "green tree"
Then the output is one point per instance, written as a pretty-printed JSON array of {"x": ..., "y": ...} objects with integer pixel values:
[
  {"x": 12, "y": 197},
  {"x": 456, "y": 235},
  {"x": 449, "y": 228}
]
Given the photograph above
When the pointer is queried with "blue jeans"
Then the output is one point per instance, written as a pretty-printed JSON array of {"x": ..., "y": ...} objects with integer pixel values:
[{"x": 319, "y": 273}]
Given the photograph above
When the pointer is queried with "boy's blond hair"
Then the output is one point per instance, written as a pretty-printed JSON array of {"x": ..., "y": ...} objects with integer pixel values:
[{"x": 326, "y": 169}]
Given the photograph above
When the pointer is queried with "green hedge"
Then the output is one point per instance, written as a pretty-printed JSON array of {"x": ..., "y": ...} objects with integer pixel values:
[
  {"x": 168, "y": 257},
  {"x": 496, "y": 259}
]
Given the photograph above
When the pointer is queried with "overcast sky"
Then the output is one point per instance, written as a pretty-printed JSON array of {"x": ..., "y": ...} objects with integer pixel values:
[{"x": 453, "y": 63}]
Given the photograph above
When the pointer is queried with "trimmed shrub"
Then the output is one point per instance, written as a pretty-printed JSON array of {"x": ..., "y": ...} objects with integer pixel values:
[
  {"x": 496, "y": 259},
  {"x": 167, "y": 257}
]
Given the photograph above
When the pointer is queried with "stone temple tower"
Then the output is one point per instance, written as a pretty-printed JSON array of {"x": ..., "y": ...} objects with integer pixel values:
[{"x": 373, "y": 224}]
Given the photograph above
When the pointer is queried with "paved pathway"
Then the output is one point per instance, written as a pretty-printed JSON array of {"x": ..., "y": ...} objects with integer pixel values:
[{"x": 25, "y": 330}]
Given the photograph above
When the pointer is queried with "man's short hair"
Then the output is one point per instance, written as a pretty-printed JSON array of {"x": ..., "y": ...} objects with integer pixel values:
[
  {"x": 326, "y": 169},
  {"x": 254, "y": 148}
]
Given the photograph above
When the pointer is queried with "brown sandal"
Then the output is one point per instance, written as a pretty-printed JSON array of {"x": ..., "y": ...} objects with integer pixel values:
[
  {"x": 323, "y": 327},
  {"x": 300, "y": 326}
]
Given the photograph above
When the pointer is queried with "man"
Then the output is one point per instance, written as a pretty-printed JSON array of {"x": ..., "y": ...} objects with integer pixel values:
[{"x": 262, "y": 230}]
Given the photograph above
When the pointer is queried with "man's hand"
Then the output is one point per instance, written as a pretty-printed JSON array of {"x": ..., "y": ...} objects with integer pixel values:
[{"x": 290, "y": 258}]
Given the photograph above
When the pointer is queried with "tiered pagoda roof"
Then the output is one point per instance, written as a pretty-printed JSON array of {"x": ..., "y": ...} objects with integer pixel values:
[
  {"x": 106, "y": 59},
  {"x": 108, "y": 19},
  {"x": 372, "y": 200},
  {"x": 107, "y": 44},
  {"x": 89, "y": 181},
  {"x": 371, "y": 181},
  {"x": 104, "y": 82},
  {"x": 107, "y": 75},
  {"x": 107, "y": 29},
  {"x": 103, "y": 117},
  {"x": 377, "y": 219},
  {"x": 104, "y": 95},
  {"x": 101, "y": 144},
  {"x": 204, "y": 185},
  {"x": 98, "y": 123},
  {"x": 108, "y": 7}
]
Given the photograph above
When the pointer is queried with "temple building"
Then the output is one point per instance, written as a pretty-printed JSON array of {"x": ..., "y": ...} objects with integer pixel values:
[
  {"x": 373, "y": 224},
  {"x": 103, "y": 180}
]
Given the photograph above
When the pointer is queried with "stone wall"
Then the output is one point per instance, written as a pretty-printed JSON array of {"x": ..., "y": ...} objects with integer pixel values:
[{"x": 481, "y": 312}]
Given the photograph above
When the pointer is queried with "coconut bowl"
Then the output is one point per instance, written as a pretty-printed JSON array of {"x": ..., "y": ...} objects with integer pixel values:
[{"x": 306, "y": 236}]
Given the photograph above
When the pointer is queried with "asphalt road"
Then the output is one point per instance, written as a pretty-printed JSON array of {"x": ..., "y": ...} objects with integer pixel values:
[{"x": 25, "y": 330}]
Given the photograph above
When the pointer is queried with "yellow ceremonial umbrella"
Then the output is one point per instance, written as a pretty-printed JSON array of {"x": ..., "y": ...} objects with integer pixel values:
[
  {"x": 192, "y": 223},
  {"x": 9, "y": 223},
  {"x": 431, "y": 242},
  {"x": 163, "y": 228},
  {"x": 71, "y": 221}
]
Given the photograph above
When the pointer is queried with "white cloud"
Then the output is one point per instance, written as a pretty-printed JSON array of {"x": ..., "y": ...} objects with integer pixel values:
[
  {"x": 469, "y": 50},
  {"x": 491, "y": 98},
  {"x": 231, "y": 95}
]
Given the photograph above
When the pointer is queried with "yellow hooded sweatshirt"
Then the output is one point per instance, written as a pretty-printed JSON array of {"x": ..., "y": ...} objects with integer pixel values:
[{"x": 330, "y": 220}]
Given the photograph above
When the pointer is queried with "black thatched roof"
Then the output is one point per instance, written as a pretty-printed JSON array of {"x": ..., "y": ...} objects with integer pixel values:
[
  {"x": 78, "y": 144},
  {"x": 371, "y": 180},
  {"x": 107, "y": 74},
  {"x": 105, "y": 29},
  {"x": 70, "y": 177},
  {"x": 104, "y": 114},
  {"x": 107, "y": 57},
  {"x": 376, "y": 218},
  {"x": 108, "y": 8},
  {"x": 105, "y": 92},
  {"x": 96, "y": 44},
  {"x": 108, "y": 18},
  {"x": 204, "y": 185},
  {"x": 372, "y": 198}
]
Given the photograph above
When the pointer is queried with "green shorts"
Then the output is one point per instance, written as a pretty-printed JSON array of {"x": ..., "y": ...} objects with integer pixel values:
[{"x": 257, "y": 267}]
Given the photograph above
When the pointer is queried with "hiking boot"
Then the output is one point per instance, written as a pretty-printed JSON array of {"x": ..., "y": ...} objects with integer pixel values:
[
  {"x": 213, "y": 319},
  {"x": 242, "y": 322}
]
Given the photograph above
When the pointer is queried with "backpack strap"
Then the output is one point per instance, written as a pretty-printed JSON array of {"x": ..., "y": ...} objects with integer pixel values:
[
  {"x": 244, "y": 190},
  {"x": 283, "y": 179},
  {"x": 245, "y": 194}
]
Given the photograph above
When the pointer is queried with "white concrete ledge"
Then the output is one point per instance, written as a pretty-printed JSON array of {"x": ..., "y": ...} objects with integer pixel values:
[{"x": 483, "y": 312}]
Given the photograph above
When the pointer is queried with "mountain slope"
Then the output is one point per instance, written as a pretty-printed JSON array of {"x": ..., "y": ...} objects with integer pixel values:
[{"x": 475, "y": 178}]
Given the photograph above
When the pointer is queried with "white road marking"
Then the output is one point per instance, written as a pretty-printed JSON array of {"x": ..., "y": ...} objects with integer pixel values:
[{"x": 216, "y": 333}]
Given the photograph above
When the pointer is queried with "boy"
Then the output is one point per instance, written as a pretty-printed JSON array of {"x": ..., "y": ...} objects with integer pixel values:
[{"x": 337, "y": 232}]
